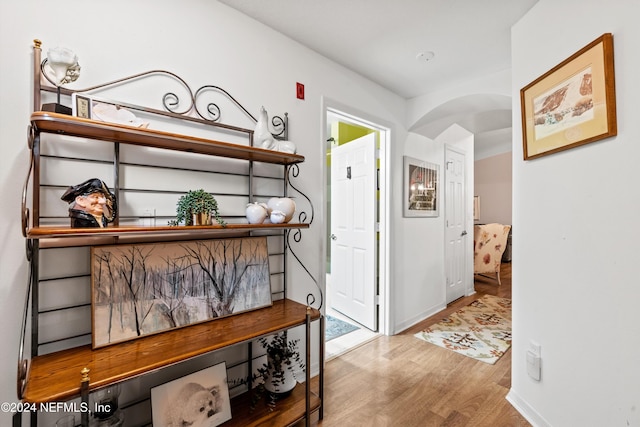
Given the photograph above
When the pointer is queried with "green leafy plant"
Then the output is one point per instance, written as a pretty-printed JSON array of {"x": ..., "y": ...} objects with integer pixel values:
[
  {"x": 196, "y": 202},
  {"x": 282, "y": 356}
]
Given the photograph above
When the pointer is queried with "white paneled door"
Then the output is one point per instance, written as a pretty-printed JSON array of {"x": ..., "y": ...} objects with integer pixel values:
[
  {"x": 455, "y": 223},
  {"x": 353, "y": 230}
]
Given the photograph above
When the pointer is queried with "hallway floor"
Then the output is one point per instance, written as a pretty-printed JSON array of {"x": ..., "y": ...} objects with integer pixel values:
[
  {"x": 402, "y": 381},
  {"x": 347, "y": 342}
]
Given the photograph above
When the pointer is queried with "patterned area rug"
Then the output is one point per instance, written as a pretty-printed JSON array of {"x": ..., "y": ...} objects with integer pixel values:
[
  {"x": 481, "y": 330},
  {"x": 336, "y": 327}
]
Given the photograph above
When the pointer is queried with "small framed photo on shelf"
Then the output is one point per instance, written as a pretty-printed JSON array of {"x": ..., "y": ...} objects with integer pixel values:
[
  {"x": 199, "y": 399},
  {"x": 421, "y": 188},
  {"x": 572, "y": 104},
  {"x": 81, "y": 105}
]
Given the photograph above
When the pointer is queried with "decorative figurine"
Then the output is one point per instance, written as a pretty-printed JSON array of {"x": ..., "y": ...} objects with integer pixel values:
[
  {"x": 91, "y": 204},
  {"x": 262, "y": 137},
  {"x": 277, "y": 217},
  {"x": 60, "y": 67},
  {"x": 63, "y": 63},
  {"x": 283, "y": 205},
  {"x": 285, "y": 146},
  {"x": 256, "y": 212}
]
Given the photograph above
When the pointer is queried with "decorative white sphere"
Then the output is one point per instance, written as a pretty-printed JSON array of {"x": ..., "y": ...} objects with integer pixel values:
[
  {"x": 284, "y": 205},
  {"x": 256, "y": 213}
]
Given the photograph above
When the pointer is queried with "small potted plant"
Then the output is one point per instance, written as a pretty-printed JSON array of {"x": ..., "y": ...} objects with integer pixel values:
[
  {"x": 197, "y": 207},
  {"x": 283, "y": 359},
  {"x": 277, "y": 375}
]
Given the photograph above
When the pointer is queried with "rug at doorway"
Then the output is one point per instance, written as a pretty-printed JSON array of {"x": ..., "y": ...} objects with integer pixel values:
[
  {"x": 334, "y": 328},
  {"x": 481, "y": 330}
]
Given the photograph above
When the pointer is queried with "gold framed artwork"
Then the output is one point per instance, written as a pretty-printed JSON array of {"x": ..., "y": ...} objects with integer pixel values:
[{"x": 572, "y": 104}]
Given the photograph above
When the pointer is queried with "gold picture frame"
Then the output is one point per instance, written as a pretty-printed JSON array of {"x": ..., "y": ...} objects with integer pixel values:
[{"x": 572, "y": 104}]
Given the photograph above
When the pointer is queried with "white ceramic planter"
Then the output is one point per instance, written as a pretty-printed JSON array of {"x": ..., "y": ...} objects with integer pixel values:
[{"x": 282, "y": 385}]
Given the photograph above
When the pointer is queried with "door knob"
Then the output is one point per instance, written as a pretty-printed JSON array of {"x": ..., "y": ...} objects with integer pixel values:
[
  {"x": 334, "y": 237},
  {"x": 464, "y": 233}
]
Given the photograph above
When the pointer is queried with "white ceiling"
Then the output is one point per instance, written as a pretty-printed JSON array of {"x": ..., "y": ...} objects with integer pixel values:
[{"x": 381, "y": 39}]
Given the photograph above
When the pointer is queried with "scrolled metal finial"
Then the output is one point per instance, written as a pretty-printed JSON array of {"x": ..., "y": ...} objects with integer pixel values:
[
  {"x": 85, "y": 374},
  {"x": 37, "y": 43}
]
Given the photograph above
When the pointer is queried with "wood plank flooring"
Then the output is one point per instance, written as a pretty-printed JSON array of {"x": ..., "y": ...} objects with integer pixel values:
[{"x": 403, "y": 381}]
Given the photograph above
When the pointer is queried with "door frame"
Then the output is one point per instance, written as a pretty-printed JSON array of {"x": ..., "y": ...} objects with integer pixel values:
[{"x": 384, "y": 266}]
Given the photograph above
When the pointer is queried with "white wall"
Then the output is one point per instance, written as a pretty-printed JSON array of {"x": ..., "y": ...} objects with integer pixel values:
[
  {"x": 205, "y": 43},
  {"x": 418, "y": 257},
  {"x": 492, "y": 184},
  {"x": 495, "y": 84},
  {"x": 575, "y": 284}
]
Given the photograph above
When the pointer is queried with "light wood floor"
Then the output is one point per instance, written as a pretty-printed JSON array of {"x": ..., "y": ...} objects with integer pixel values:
[{"x": 403, "y": 381}]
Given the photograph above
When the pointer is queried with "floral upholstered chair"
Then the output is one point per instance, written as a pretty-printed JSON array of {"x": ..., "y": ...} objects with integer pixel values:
[{"x": 489, "y": 243}]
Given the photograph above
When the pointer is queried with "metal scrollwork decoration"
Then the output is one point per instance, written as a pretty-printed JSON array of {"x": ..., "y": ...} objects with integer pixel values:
[
  {"x": 212, "y": 109},
  {"x": 280, "y": 126},
  {"x": 293, "y": 172},
  {"x": 191, "y": 109}
]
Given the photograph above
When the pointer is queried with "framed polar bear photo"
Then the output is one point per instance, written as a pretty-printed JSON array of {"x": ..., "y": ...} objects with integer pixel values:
[{"x": 200, "y": 399}]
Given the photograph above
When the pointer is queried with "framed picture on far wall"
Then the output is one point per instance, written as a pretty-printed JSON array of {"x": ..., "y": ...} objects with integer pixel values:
[
  {"x": 476, "y": 208},
  {"x": 421, "y": 188},
  {"x": 199, "y": 399}
]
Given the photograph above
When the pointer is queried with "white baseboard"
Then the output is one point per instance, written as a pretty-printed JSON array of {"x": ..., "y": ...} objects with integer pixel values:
[
  {"x": 530, "y": 414},
  {"x": 419, "y": 318}
]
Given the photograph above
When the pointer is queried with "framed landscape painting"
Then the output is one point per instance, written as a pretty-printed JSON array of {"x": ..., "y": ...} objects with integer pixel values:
[
  {"x": 572, "y": 104},
  {"x": 143, "y": 289}
]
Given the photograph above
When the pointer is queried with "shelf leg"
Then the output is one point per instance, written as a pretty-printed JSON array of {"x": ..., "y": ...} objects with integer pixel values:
[
  {"x": 84, "y": 396},
  {"x": 308, "y": 369},
  {"x": 321, "y": 369},
  {"x": 17, "y": 420},
  {"x": 250, "y": 366}
]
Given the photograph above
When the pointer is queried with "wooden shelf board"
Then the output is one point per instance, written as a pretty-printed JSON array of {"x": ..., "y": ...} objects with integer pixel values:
[
  {"x": 287, "y": 411},
  {"x": 75, "y": 126},
  {"x": 56, "y": 376},
  {"x": 65, "y": 231}
]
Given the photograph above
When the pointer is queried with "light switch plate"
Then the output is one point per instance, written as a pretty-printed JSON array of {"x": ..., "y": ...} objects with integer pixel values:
[{"x": 533, "y": 365}]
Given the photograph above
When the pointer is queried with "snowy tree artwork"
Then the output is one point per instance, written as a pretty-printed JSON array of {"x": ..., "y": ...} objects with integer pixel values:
[{"x": 143, "y": 289}]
